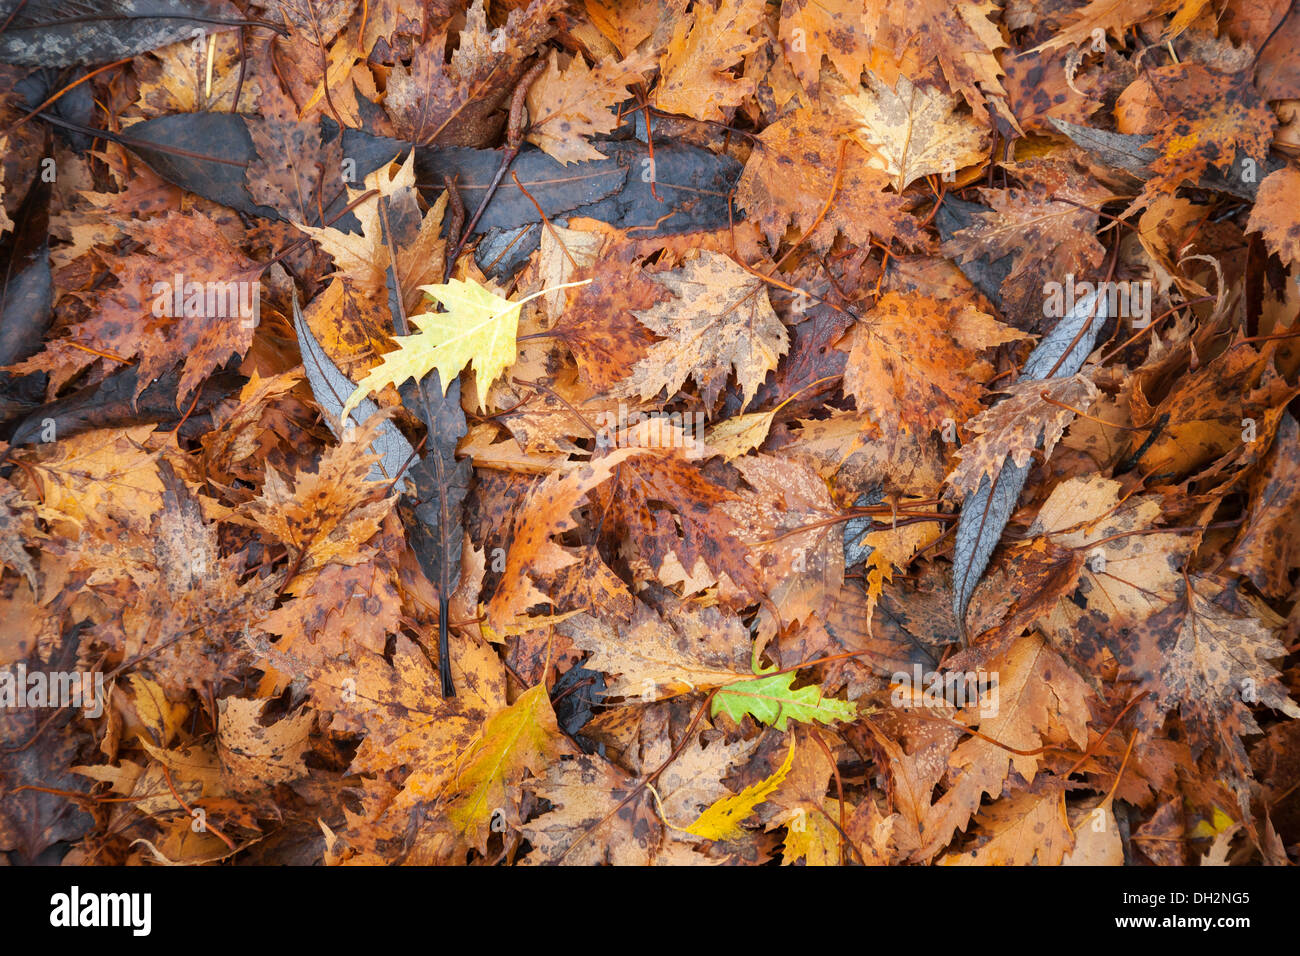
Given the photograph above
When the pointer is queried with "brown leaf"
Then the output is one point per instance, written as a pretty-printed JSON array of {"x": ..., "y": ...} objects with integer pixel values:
[
  {"x": 695, "y": 78},
  {"x": 805, "y": 170},
  {"x": 1036, "y": 414},
  {"x": 907, "y": 361},
  {"x": 720, "y": 319}
]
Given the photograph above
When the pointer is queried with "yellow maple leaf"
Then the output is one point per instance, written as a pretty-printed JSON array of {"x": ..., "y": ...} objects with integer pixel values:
[
  {"x": 523, "y": 736},
  {"x": 721, "y": 820},
  {"x": 479, "y": 327}
]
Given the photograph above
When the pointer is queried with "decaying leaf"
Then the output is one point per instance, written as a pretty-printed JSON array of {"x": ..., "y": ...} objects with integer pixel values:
[
  {"x": 898, "y": 465},
  {"x": 719, "y": 319}
]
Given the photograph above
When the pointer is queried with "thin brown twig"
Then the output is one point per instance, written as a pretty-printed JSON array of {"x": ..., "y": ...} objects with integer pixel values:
[{"x": 167, "y": 775}]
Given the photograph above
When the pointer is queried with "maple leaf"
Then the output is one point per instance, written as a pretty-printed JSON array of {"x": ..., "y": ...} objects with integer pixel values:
[
  {"x": 1040, "y": 88},
  {"x": 957, "y": 35},
  {"x": 1034, "y": 415},
  {"x": 1116, "y": 16},
  {"x": 1201, "y": 118},
  {"x": 394, "y": 700},
  {"x": 915, "y": 757},
  {"x": 387, "y": 20},
  {"x": 566, "y": 107},
  {"x": 162, "y": 577},
  {"x": 1024, "y": 829},
  {"x": 521, "y": 738},
  {"x": 191, "y": 298},
  {"x": 1044, "y": 237},
  {"x": 806, "y": 170},
  {"x": 595, "y": 812},
  {"x": 770, "y": 700},
  {"x": 673, "y": 517},
  {"x": 601, "y": 815},
  {"x": 256, "y": 755},
  {"x": 694, "y": 71},
  {"x": 1035, "y": 688},
  {"x": 389, "y": 220},
  {"x": 599, "y": 324},
  {"x": 325, "y": 515},
  {"x": 812, "y": 29},
  {"x": 549, "y": 423},
  {"x": 914, "y": 130},
  {"x": 798, "y": 568},
  {"x": 591, "y": 585},
  {"x": 721, "y": 821},
  {"x": 478, "y": 329},
  {"x": 720, "y": 318},
  {"x": 457, "y": 102},
  {"x": 332, "y": 613},
  {"x": 1130, "y": 576},
  {"x": 1206, "y": 406},
  {"x": 849, "y": 450},
  {"x": 547, "y": 511},
  {"x": 1274, "y": 216},
  {"x": 243, "y": 432},
  {"x": 1207, "y": 661},
  {"x": 907, "y": 360},
  {"x": 651, "y": 658}
]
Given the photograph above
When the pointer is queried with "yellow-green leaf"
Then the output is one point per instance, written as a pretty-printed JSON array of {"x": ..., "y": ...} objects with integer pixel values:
[
  {"x": 741, "y": 434},
  {"x": 522, "y": 737},
  {"x": 478, "y": 327},
  {"x": 722, "y": 820},
  {"x": 771, "y": 700}
]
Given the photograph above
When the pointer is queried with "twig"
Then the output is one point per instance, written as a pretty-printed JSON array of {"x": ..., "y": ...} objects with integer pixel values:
[{"x": 514, "y": 141}]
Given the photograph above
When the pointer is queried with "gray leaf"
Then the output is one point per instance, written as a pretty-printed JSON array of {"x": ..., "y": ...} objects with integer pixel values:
[
  {"x": 64, "y": 32},
  {"x": 1041, "y": 361},
  {"x": 983, "y": 516},
  {"x": 857, "y": 528},
  {"x": 332, "y": 388},
  {"x": 986, "y": 512}
]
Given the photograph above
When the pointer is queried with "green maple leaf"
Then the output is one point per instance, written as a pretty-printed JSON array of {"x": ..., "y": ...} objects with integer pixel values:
[{"x": 771, "y": 701}]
